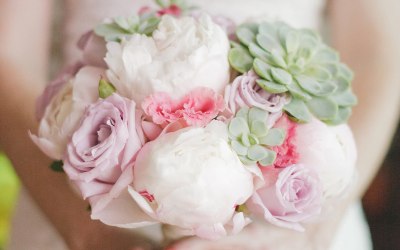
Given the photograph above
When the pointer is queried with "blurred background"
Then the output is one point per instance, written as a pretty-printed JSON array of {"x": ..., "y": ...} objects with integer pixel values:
[{"x": 381, "y": 202}]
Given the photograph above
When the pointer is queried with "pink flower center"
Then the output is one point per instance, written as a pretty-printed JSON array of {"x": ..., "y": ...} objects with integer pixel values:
[{"x": 147, "y": 196}]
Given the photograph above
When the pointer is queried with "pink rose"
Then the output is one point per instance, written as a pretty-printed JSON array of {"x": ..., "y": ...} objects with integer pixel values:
[
  {"x": 197, "y": 108},
  {"x": 102, "y": 151},
  {"x": 245, "y": 92},
  {"x": 290, "y": 196}
]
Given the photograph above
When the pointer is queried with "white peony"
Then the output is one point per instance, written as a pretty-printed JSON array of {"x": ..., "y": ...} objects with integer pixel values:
[
  {"x": 63, "y": 114},
  {"x": 192, "y": 179},
  {"x": 182, "y": 54},
  {"x": 332, "y": 151}
]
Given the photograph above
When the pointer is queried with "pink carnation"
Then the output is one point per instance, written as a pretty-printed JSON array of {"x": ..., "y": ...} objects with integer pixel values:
[
  {"x": 287, "y": 153},
  {"x": 197, "y": 108}
]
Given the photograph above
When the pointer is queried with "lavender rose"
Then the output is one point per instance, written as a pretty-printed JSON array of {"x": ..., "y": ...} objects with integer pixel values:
[
  {"x": 102, "y": 150},
  {"x": 245, "y": 92},
  {"x": 290, "y": 196}
]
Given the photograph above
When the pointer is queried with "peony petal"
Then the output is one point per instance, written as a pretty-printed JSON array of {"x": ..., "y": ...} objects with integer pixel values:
[
  {"x": 48, "y": 147},
  {"x": 143, "y": 204},
  {"x": 123, "y": 212}
]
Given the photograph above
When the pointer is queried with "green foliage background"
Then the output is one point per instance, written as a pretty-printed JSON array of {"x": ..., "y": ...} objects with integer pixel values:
[{"x": 8, "y": 193}]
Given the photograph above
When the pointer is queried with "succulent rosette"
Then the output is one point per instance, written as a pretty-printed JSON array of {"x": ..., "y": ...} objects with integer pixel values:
[
  {"x": 296, "y": 61},
  {"x": 171, "y": 117}
]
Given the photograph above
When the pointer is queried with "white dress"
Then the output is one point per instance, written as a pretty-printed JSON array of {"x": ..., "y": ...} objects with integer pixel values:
[{"x": 31, "y": 230}]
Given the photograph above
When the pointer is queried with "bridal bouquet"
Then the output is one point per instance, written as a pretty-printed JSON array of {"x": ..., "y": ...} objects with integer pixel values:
[{"x": 176, "y": 117}]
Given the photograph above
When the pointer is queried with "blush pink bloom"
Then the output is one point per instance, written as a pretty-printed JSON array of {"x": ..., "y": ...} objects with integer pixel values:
[
  {"x": 291, "y": 195},
  {"x": 100, "y": 156},
  {"x": 197, "y": 108}
]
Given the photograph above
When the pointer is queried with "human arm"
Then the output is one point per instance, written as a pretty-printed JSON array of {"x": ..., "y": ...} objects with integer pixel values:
[{"x": 24, "y": 52}]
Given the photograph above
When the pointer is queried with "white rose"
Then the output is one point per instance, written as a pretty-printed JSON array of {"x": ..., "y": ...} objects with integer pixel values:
[
  {"x": 181, "y": 55},
  {"x": 65, "y": 110},
  {"x": 192, "y": 179}
]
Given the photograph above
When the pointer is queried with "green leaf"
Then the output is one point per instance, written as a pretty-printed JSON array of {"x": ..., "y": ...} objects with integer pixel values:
[
  {"x": 345, "y": 99},
  {"x": 245, "y": 35},
  {"x": 342, "y": 117},
  {"x": 268, "y": 43},
  {"x": 246, "y": 161},
  {"x": 323, "y": 108},
  {"x": 267, "y": 29},
  {"x": 270, "y": 159},
  {"x": 272, "y": 87},
  {"x": 243, "y": 113},
  {"x": 105, "y": 88},
  {"x": 345, "y": 72},
  {"x": 257, "y": 153},
  {"x": 110, "y": 31},
  {"x": 308, "y": 84},
  {"x": 245, "y": 140},
  {"x": 298, "y": 109},
  {"x": 325, "y": 55},
  {"x": 258, "y": 52},
  {"x": 239, "y": 148},
  {"x": 291, "y": 42},
  {"x": 57, "y": 166},
  {"x": 259, "y": 128},
  {"x": 262, "y": 69},
  {"x": 277, "y": 59},
  {"x": 281, "y": 76},
  {"x": 318, "y": 73},
  {"x": 298, "y": 92},
  {"x": 148, "y": 26},
  {"x": 240, "y": 60},
  {"x": 275, "y": 137},
  {"x": 257, "y": 114},
  {"x": 238, "y": 126},
  {"x": 342, "y": 84}
]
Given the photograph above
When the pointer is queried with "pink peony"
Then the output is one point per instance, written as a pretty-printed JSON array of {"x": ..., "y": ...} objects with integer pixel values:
[
  {"x": 197, "y": 108},
  {"x": 102, "y": 151},
  {"x": 290, "y": 196}
]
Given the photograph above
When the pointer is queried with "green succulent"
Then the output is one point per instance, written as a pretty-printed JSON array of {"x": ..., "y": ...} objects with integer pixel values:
[
  {"x": 121, "y": 27},
  {"x": 250, "y": 137},
  {"x": 296, "y": 61}
]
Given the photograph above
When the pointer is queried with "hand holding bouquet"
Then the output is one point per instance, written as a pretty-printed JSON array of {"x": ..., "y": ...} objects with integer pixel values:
[{"x": 183, "y": 119}]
